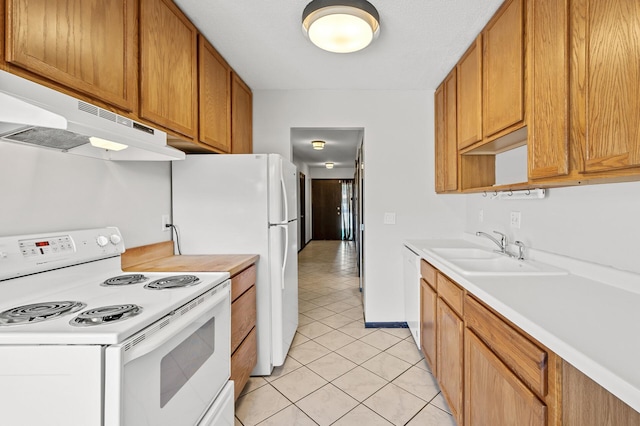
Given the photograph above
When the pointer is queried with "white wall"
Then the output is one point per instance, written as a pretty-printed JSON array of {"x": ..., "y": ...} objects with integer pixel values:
[
  {"x": 399, "y": 177},
  {"x": 597, "y": 223},
  {"x": 42, "y": 190}
]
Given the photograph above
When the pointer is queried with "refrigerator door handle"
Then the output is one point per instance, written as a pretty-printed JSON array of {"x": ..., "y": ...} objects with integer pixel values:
[
  {"x": 284, "y": 195},
  {"x": 286, "y": 252}
]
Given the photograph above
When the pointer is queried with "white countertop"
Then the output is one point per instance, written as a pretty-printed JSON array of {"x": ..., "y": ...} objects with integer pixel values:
[{"x": 593, "y": 325}]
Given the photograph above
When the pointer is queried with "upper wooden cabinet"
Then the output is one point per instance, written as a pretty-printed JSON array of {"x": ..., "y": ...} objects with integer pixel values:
[
  {"x": 451, "y": 134},
  {"x": 214, "y": 75},
  {"x": 241, "y": 117},
  {"x": 503, "y": 69},
  {"x": 86, "y": 45},
  {"x": 469, "y": 93},
  {"x": 548, "y": 121},
  {"x": 607, "y": 45},
  {"x": 168, "y": 67},
  {"x": 446, "y": 146},
  {"x": 440, "y": 141}
]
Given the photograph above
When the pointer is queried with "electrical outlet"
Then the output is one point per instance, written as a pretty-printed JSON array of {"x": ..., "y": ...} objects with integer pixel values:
[
  {"x": 165, "y": 222},
  {"x": 515, "y": 219},
  {"x": 480, "y": 216}
]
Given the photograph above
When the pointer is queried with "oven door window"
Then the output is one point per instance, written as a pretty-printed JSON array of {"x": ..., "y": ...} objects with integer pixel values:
[{"x": 179, "y": 365}]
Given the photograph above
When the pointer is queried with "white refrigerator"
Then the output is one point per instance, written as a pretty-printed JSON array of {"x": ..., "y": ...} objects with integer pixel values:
[{"x": 246, "y": 204}]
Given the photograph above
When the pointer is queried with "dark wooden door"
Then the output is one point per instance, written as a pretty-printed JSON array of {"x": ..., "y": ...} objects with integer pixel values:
[
  {"x": 303, "y": 211},
  {"x": 326, "y": 205}
]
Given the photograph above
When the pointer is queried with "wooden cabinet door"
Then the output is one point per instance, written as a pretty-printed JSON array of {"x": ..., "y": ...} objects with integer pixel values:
[
  {"x": 493, "y": 394},
  {"x": 449, "y": 358},
  {"x": 611, "y": 104},
  {"x": 241, "y": 117},
  {"x": 469, "y": 95},
  {"x": 440, "y": 142},
  {"x": 428, "y": 306},
  {"x": 451, "y": 133},
  {"x": 548, "y": 123},
  {"x": 168, "y": 67},
  {"x": 586, "y": 403},
  {"x": 214, "y": 75},
  {"x": 86, "y": 45},
  {"x": 503, "y": 68}
]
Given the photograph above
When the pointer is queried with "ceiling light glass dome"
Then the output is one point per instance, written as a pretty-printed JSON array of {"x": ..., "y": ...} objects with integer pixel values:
[{"x": 341, "y": 26}]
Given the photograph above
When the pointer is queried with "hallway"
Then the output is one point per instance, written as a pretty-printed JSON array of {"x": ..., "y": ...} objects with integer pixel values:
[{"x": 337, "y": 371}]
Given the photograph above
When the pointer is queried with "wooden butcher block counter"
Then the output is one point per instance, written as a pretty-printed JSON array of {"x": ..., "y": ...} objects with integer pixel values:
[{"x": 160, "y": 258}]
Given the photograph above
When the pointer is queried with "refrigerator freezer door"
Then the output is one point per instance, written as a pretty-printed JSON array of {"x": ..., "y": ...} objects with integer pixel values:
[
  {"x": 283, "y": 206},
  {"x": 284, "y": 279}
]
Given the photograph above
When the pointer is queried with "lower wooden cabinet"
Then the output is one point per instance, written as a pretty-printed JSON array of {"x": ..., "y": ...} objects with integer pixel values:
[
  {"x": 428, "y": 306},
  {"x": 449, "y": 357},
  {"x": 242, "y": 362},
  {"x": 243, "y": 327},
  {"x": 490, "y": 372},
  {"x": 586, "y": 403},
  {"x": 493, "y": 393}
]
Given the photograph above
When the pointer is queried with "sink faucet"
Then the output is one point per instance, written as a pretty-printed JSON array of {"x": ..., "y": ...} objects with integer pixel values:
[{"x": 502, "y": 243}]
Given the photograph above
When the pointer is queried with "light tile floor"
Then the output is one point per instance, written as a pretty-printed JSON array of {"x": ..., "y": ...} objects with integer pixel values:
[{"x": 339, "y": 372}]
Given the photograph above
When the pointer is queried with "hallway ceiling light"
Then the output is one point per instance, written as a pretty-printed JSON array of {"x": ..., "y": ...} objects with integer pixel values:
[
  {"x": 341, "y": 26},
  {"x": 328, "y": 165},
  {"x": 318, "y": 144}
]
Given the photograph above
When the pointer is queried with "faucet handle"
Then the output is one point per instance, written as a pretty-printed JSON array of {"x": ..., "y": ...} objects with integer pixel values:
[
  {"x": 503, "y": 239},
  {"x": 520, "y": 245}
]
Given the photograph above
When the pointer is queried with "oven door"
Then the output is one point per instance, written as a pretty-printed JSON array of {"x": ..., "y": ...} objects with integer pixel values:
[{"x": 170, "y": 373}]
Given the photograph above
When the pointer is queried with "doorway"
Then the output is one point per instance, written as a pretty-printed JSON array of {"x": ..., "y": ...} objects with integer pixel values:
[
  {"x": 302, "y": 208},
  {"x": 332, "y": 209}
]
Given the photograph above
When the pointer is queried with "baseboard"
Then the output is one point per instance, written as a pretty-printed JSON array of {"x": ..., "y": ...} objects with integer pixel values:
[{"x": 385, "y": 325}]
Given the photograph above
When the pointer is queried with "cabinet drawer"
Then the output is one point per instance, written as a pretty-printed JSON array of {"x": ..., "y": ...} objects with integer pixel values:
[
  {"x": 243, "y": 361},
  {"x": 242, "y": 281},
  {"x": 451, "y": 293},
  {"x": 243, "y": 317},
  {"x": 428, "y": 272},
  {"x": 525, "y": 358}
]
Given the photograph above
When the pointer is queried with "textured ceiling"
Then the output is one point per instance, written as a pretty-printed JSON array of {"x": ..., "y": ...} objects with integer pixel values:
[{"x": 420, "y": 40}]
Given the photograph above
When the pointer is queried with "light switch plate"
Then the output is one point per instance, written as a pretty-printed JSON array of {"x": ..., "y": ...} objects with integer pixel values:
[
  {"x": 515, "y": 219},
  {"x": 389, "y": 219}
]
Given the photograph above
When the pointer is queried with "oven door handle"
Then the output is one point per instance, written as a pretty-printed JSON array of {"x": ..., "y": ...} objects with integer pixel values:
[{"x": 177, "y": 325}]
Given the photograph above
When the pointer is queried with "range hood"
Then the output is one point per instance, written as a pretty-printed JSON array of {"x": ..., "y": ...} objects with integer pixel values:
[{"x": 34, "y": 115}]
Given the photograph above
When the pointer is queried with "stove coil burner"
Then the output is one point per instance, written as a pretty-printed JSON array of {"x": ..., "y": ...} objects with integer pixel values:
[
  {"x": 105, "y": 315},
  {"x": 125, "y": 280},
  {"x": 176, "y": 281},
  {"x": 37, "y": 312}
]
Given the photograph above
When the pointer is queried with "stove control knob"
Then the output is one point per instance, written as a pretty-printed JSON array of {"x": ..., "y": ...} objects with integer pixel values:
[
  {"x": 115, "y": 239},
  {"x": 102, "y": 241}
]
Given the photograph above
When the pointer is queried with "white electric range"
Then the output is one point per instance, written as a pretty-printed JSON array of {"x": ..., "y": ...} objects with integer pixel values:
[{"x": 83, "y": 343}]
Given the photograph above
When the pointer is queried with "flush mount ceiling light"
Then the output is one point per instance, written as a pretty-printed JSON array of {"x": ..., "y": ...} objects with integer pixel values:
[
  {"x": 318, "y": 144},
  {"x": 341, "y": 26},
  {"x": 328, "y": 165}
]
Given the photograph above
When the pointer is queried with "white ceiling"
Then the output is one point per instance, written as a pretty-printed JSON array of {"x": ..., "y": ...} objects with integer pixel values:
[
  {"x": 419, "y": 42},
  {"x": 340, "y": 147}
]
